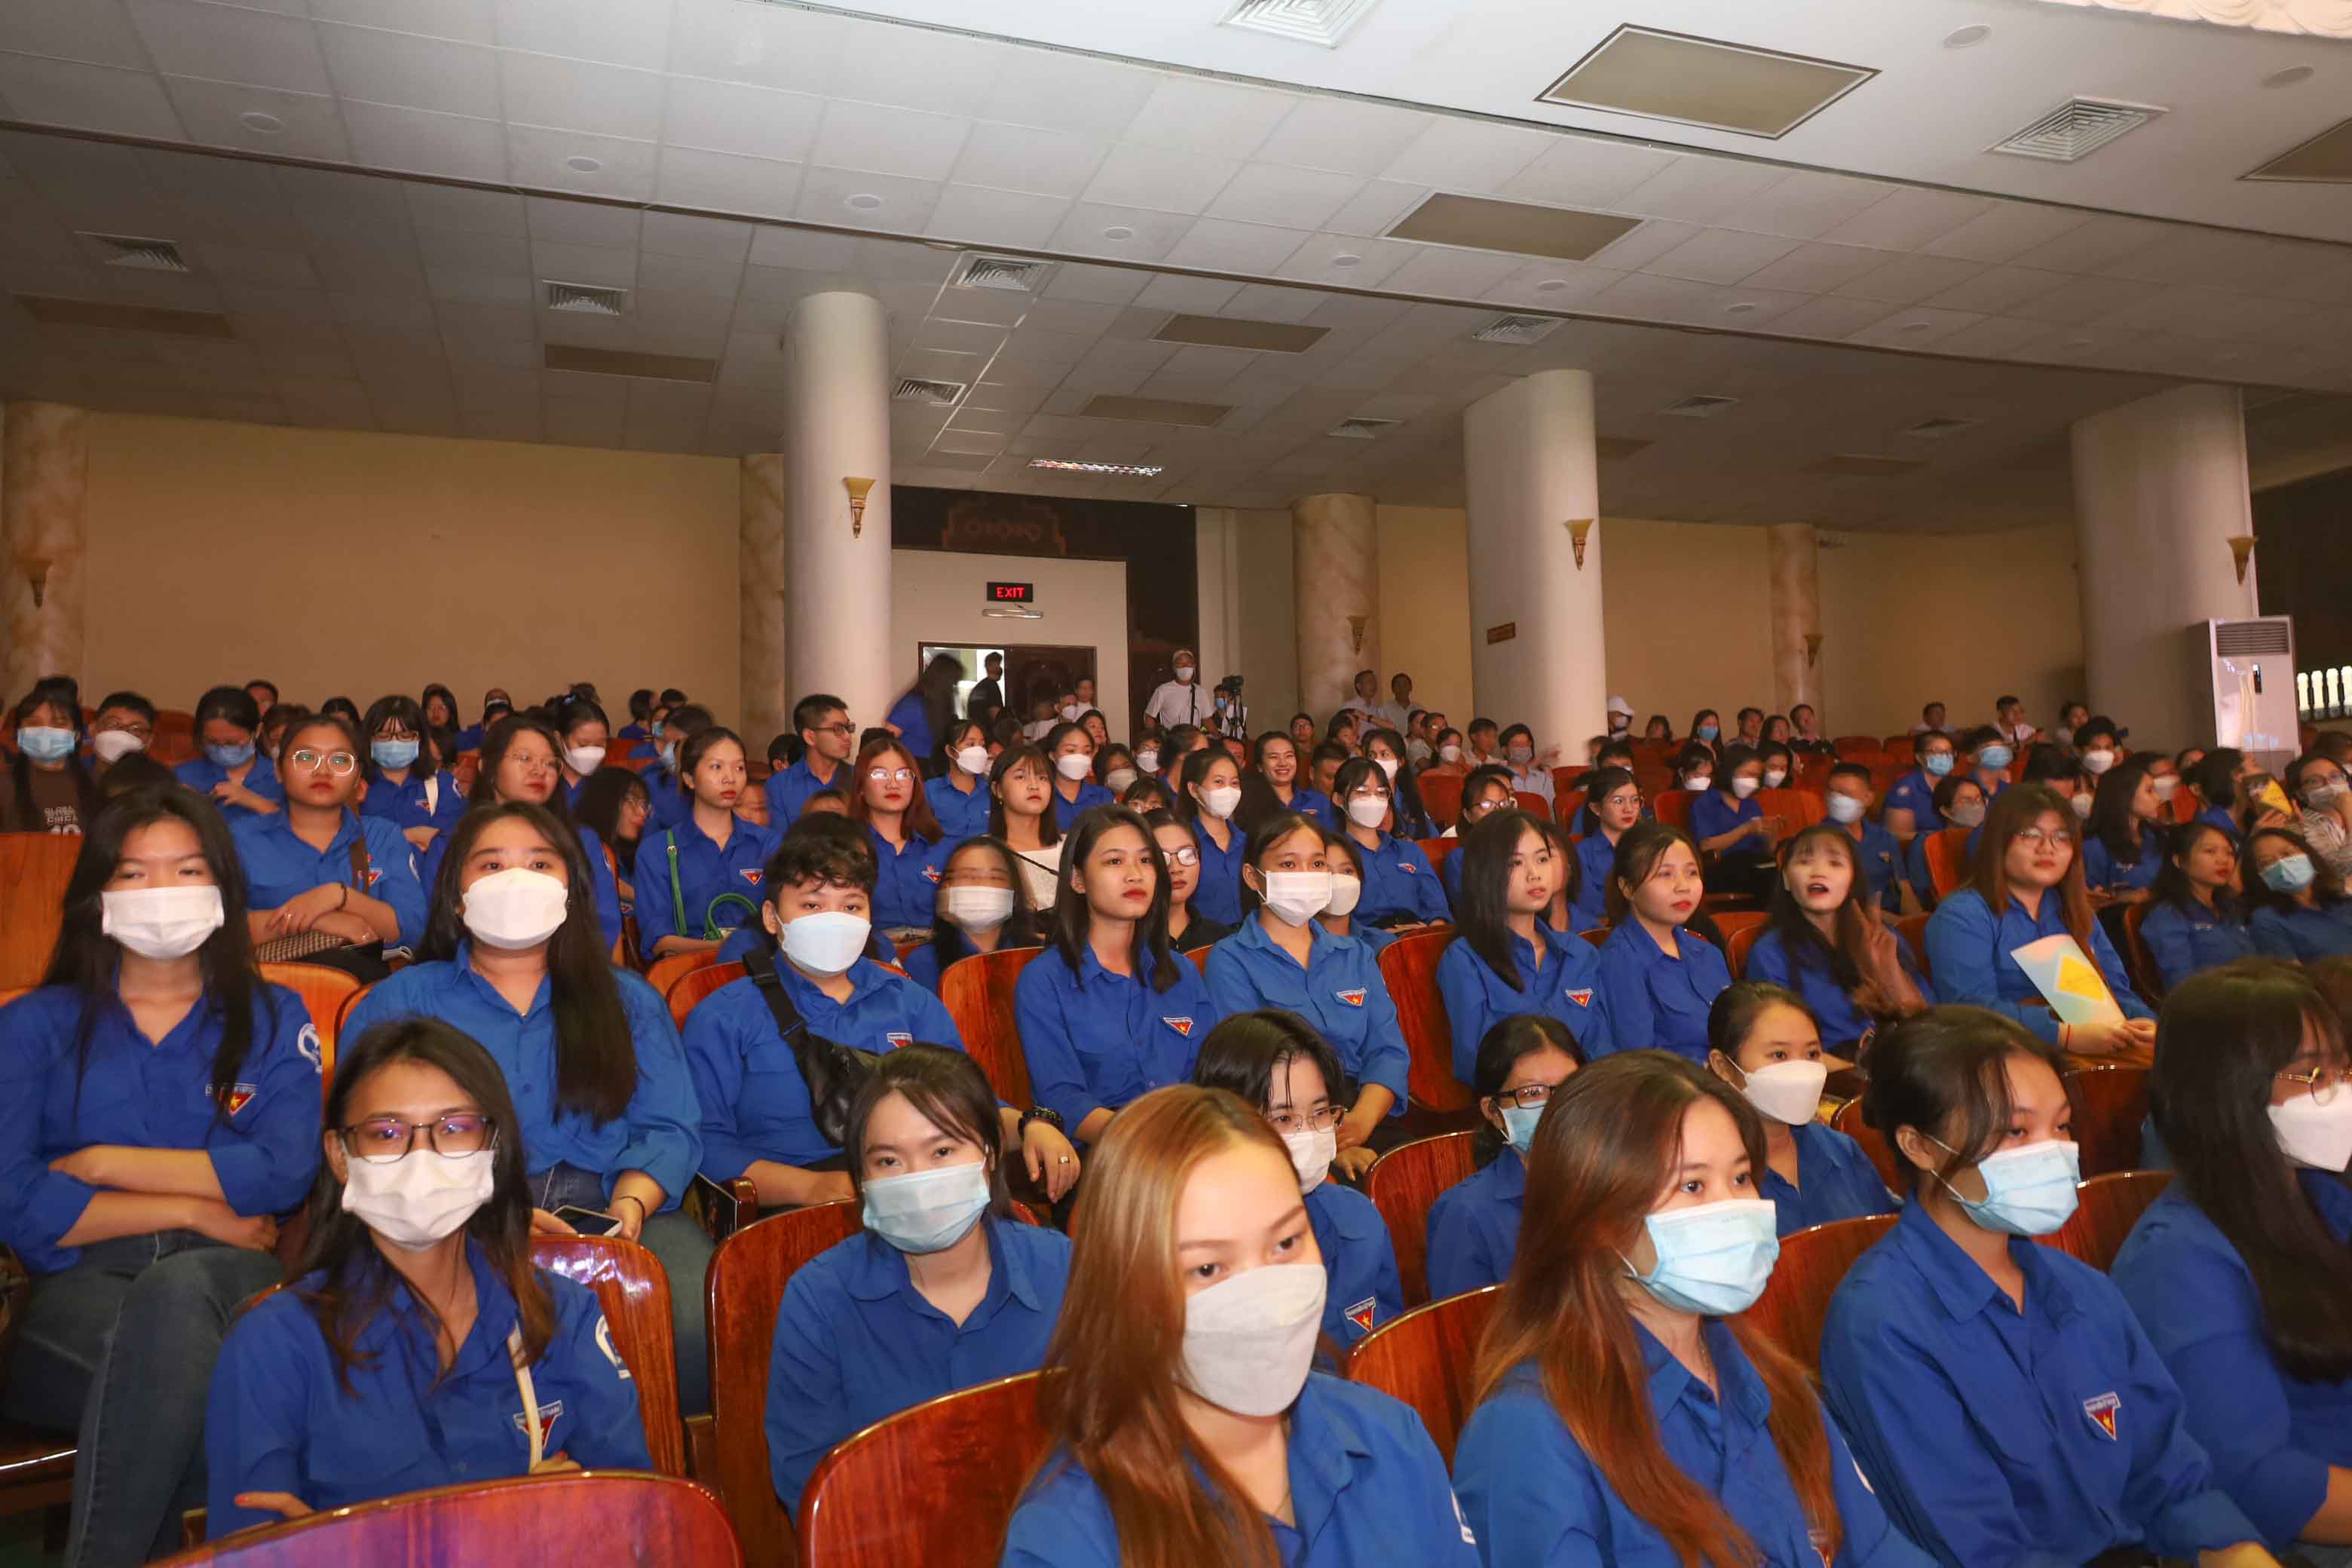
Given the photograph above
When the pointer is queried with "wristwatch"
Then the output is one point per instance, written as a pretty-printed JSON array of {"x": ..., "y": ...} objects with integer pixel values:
[{"x": 1044, "y": 1113}]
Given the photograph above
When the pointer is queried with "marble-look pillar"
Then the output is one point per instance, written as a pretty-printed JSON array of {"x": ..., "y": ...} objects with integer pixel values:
[
  {"x": 1337, "y": 544},
  {"x": 761, "y": 572},
  {"x": 43, "y": 480},
  {"x": 837, "y": 632},
  {"x": 1792, "y": 555}
]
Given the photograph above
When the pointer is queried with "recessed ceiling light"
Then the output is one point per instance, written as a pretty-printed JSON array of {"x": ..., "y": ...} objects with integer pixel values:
[
  {"x": 1967, "y": 38},
  {"x": 864, "y": 202},
  {"x": 1551, "y": 285},
  {"x": 267, "y": 124},
  {"x": 1914, "y": 327},
  {"x": 1115, "y": 470},
  {"x": 1118, "y": 231},
  {"x": 2288, "y": 78},
  {"x": 1740, "y": 308},
  {"x": 1347, "y": 258},
  {"x": 584, "y": 163}
]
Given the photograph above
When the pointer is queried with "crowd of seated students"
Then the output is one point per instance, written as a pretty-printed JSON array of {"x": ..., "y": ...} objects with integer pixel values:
[{"x": 508, "y": 1069}]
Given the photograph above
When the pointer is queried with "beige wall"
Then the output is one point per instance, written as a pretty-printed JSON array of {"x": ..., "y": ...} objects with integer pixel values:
[
  {"x": 342, "y": 563},
  {"x": 937, "y": 597},
  {"x": 1265, "y": 612},
  {"x": 1689, "y": 618},
  {"x": 1425, "y": 607}
]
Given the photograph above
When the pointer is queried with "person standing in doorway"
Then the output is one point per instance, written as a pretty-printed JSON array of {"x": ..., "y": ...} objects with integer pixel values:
[
  {"x": 1177, "y": 701},
  {"x": 987, "y": 699}
]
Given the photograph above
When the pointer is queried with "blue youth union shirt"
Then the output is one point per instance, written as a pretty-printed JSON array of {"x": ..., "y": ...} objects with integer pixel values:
[
  {"x": 1837, "y": 1182},
  {"x": 1969, "y": 958},
  {"x": 1340, "y": 991},
  {"x": 1095, "y": 1040},
  {"x": 1660, "y": 999},
  {"x": 279, "y": 866},
  {"x": 1560, "y": 976},
  {"x": 1360, "y": 1260},
  {"x": 1473, "y": 1228}
]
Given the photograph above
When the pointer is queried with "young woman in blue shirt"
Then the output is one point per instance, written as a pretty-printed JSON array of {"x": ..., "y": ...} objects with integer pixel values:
[
  {"x": 1487, "y": 790},
  {"x": 2028, "y": 884},
  {"x": 1186, "y": 1425},
  {"x": 1613, "y": 804},
  {"x": 1830, "y": 942},
  {"x": 983, "y": 907},
  {"x": 699, "y": 880},
  {"x": 1401, "y": 888},
  {"x": 606, "y": 1109},
  {"x": 1768, "y": 1047},
  {"x": 1505, "y": 958},
  {"x": 161, "y": 1105},
  {"x": 521, "y": 760},
  {"x": 942, "y": 1288},
  {"x": 2299, "y": 908},
  {"x": 1473, "y": 1225},
  {"x": 959, "y": 795},
  {"x": 1625, "y": 1413},
  {"x": 2000, "y": 1394},
  {"x": 1729, "y": 825},
  {"x": 2239, "y": 1271},
  {"x": 226, "y": 723},
  {"x": 417, "y": 1344},
  {"x": 2123, "y": 841},
  {"x": 587, "y": 737},
  {"x": 408, "y": 782},
  {"x": 1274, "y": 1059},
  {"x": 1281, "y": 958},
  {"x": 1072, "y": 752},
  {"x": 1338, "y": 916},
  {"x": 1911, "y": 808},
  {"x": 921, "y": 714},
  {"x": 438, "y": 706},
  {"x": 1109, "y": 1011},
  {"x": 2194, "y": 918},
  {"x": 1658, "y": 978},
  {"x": 1277, "y": 784},
  {"x": 318, "y": 865},
  {"x": 1386, "y": 749},
  {"x": 1189, "y": 931},
  {"x": 908, "y": 846},
  {"x": 1209, "y": 796}
]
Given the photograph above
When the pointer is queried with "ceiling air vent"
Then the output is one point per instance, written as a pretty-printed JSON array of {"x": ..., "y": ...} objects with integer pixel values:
[
  {"x": 2075, "y": 129},
  {"x": 129, "y": 250},
  {"x": 1706, "y": 406},
  {"x": 1516, "y": 330},
  {"x": 1011, "y": 274},
  {"x": 586, "y": 298},
  {"x": 1323, "y": 22},
  {"x": 938, "y": 393},
  {"x": 1362, "y": 430},
  {"x": 1108, "y": 470},
  {"x": 1938, "y": 429}
]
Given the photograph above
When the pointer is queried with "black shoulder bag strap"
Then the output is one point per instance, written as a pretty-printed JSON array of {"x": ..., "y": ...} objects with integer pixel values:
[{"x": 833, "y": 1072}]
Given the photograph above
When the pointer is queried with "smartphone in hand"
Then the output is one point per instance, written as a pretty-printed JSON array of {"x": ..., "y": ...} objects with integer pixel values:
[{"x": 588, "y": 1222}]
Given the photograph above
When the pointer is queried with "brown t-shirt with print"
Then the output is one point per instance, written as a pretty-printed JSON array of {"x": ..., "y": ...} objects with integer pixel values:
[{"x": 57, "y": 802}]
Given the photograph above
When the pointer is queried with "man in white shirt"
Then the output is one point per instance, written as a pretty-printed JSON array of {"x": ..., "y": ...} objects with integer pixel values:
[
  {"x": 1396, "y": 714},
  {"x": 2010, "y": 720},
  {"x": 1366, "y": 688},
  {"x": 1931, "y": 717},
  {"x": 1177, "y": 701}
]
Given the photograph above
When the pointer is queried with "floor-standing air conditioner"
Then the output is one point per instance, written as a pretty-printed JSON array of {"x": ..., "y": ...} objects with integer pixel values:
[{"x": 2253, "y": 687}]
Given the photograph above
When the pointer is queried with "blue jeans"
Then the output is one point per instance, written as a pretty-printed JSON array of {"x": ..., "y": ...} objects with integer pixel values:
[
  {"x": 684, "y": 1249},
  {"x": 120, "y": 1349}
]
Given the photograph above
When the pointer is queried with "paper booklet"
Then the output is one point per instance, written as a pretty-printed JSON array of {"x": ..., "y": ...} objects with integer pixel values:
[{"x": 2068, "y": 981}]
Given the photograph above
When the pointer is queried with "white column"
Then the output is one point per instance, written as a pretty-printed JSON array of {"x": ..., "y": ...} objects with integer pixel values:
[
  {"x": 1337, "y": 542},
  {"x": 2159, "y": 490},
  {"x": 837, "y": 575},
  {"x": 1535, "y": 646}
]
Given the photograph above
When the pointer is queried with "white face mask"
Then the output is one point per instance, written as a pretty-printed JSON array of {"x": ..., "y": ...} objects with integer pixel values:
[
  {"x": 1366, "y": 810},
  {"x": 1844, "y": 809},
  {"x": 1743, "y": 787},
  {"x": 2318, "y": 793},
  {"x": 1147, "y": 759},
  {"x": 1774, "y": 776},
  {"x": 1388, "y": 766},
  {"x": 1311, "y": 1154},
  {"x": 974, "y": 909},
  {"x": 2098, "y": 762},
  {"x": 161, "y": 922},
  {"x": 825, "y": 943},
  {"x": 515, "y": 908},
  {"x": 1449, "y": 753},
  {"x": 2316, "y": 1136},
  {"x": 1249, "y": 1341},
  {"x": 416, "y": 1200},
  {"x": 1184, "y": 672},
  {"x": 1787, "y": 1091},
  {"x": 583, "y": 759},
  {"x": 113, "y": 745},
  {"x": 1699, "y": 782},
  {"x": 1120, "y": 779},
  {"x": 1346, "y": 888},
  {"x": 972, "y": 760},
  {"x": 1070, "y": 711},
  {"x": 1220, "y": 802},
  {"x": 1298, "y": 896},
  {"x": 1073, "y": 765}
]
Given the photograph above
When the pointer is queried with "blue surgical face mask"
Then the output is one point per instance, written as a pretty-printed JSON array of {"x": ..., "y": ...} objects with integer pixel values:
[
  {"x": 1706, "y": 731},
  {"x": 670, "y": 755},
  {"x": 230, "y": 756},
  {"x": 2288, "y": 874},
  {"x": 1995, "y": 757},
  {"x": 2029, "y": 1191},
  {"x": 927, "y": 1211},
  {"x": 1712, "y": 1259},
  {"x": 1519, "y": 1126},
  {"x": 393, "y": 753},
  {"x": 1938, "y": 762},
  {"x": 46, "y": 743}
]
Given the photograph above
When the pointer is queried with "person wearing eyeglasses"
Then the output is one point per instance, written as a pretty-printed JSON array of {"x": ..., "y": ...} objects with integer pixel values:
[
  {"x": 418, "y": 1347},
  {"x": 407, "y": 784},
  {"x": 1274, "y": 1061},
  {"x": 319, "y": 866},
  {"x": 1473, "y": 1225},
  {"x": 1612, "y": 805},
  {"x": 125, "y": 724},
  {"x": 910, "y": 852},
  {"x": 1189, "y": 931},
  {"x": 827, "y": 738}
]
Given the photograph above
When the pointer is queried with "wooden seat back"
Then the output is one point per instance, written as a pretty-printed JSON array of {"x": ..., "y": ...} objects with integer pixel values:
[
  {"x": 1403, "y": 1184},
  {"x": 632, "y": 1288},
  {"x": 1796, "y": 1300},
  {"x": 1409, "y": 966},
  {"x": 978, "y": 992},
  {"x": 1426, "y": 1358}
]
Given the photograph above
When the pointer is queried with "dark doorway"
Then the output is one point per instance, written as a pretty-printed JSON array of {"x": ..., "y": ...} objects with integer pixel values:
[{"x": 1044, "y": 671}]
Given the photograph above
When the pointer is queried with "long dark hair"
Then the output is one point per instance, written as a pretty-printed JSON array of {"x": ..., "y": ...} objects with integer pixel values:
[
  {"x": 51, "y": 693},
  {"x": 1482, "y": 922},
  {"x": 1269, "y": 832},
  {"x": 1801, "y": 939},
  {"x": 1948, "y": 1063},
  {"x": 497, "y": 740},
  {"x": 2111, "y": 820},
  {"x": 1638, "y": 853},
  {"x": 2012, "y": 810},
  {"x": 936, "y": 685},
  {"x": 1598, "y": 786},
  {"x": 1070, "y": 912},
  {"x": 1049, "y": 826},
  {"x": 917, "y": 819},
  {"x": 1020, "y": 927},
  {"x": 1474, "y": 785},
  {"x": 2224, "y": 1033},
  {"x": 596, "y": 1057},
  {"x": 1507, "y": 1043},
  {"x": 383, "y": 711},
  {"x": 356, "y": 1282},
  {"x": 1404, "y": 789},
  {"x": 607, "y": 791},
  {"x": 947, "y": 1090},
  {"x": 2327, "y": 887},
  {"x": 2171, "y": 885},
  {"x": 1242, "y": 1054},
  {"x": 87, "y": 960},
  {"x": 1356, "y": 772}
]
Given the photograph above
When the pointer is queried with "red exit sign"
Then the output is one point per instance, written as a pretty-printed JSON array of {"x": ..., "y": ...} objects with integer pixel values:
[{"x": 1012, "y": 593}]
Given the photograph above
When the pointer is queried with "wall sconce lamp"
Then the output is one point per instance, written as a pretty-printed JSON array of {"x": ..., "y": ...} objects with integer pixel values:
[{"x": 857, "y": 488}]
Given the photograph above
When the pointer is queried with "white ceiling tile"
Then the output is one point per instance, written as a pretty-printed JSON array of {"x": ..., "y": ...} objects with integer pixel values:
[
  {"x": 825, "y": 195},
  {"x": 1803, "y": 205},
  {"x": 2008, "y": 230},
  {"x": 1190, "y": 296},
  {"x": 2083, "y": 299},
  {"x": 1554, "y": 285},
  {"x": 309, "y": 126},
  {"x": 606, "y": 266},
  {"x": 1993, "y": 335},
  {"x": 708, "y": 238},
  {"x": 581, "y": 95},
  {"x": 474, "y": 212},
  {"x": 1829, "y": 317},
  {"x": 90, "y": 97},
  {"x": 580, "y": 223},
  {"x": 1699, "y": 190},
  {"x": 415, "y": 73},
  {"x": 1721, "y": 256},
  {"x": 459, "y": 285},
  {"x": 231, "y": 43},
  {"x": 1297, "y": 199},
  {"x": 731, "y": 117},
  {"x": 767, "y": 46},
  {"x": 914, "y": 68},
  {"x": 96, "y": 32},
  {"x": 690, "y": 275},
  {"x": 1356, "y": 263},
  {"x": 1906, "y": 219},
  {"x": 1376, "y": 208},
  {"x": 1271, "y": 303},
  {"x": 417, "y": 140},
  {"x": 616, "y": 32},
  {"x": 1816, "y": 269},
  {"x": 1159, "y": 179},
  {"x": 1342, "y": 136},
  {"x": 2092, "y": 247},
  {"x": 1068, "y": 92},
  {"x": 1639, "y": 247},
  {"x": 881, "y": 140},
  {"x": 1216, "y": 118},
  {"x": 996, "y": 217},
  {"x": 1467, "y": 156},
  {"x": 1223, "y": 244},
  {"x": 2002, "y": 289},
  {"x": 726, "y": 182},
  {"x": 1454, "y": 274},
  {"x": 467, "y": 21},
  {"x": 1101, "y": 285},
  {"x": 802, "y": 251},
  {"x": 1914, "y": 327},
  {"x": 1026, "y": 158},
  {"x": 1585, "y": 171},
  {"x": 265, "y": 268},
  {"x": 536, "y": 157},
  {"x": 1906, "y": 279},
  {"x": 472, "y": 251}
]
